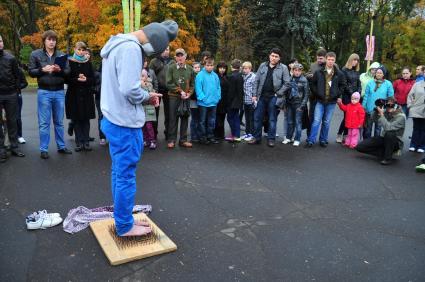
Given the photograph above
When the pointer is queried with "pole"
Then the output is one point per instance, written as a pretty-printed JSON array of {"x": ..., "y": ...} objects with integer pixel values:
[
  {"x": 125, "y": 13},
  {"x": 131, "y": 15},
  {"x": 137, "y": 12},
  {"x": 370, "y": 39}
]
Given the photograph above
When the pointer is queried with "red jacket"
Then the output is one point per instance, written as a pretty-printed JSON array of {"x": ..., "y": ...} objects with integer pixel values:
[
  {"x": 354, "y": 115},
  {"x": 401, "y": 89}
]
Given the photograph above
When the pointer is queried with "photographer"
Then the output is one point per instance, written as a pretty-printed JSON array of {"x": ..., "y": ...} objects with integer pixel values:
[{"x": 392, "y": 121}]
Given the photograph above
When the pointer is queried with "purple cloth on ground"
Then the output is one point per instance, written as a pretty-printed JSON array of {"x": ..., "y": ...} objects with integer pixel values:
[{"x": 80, "y": 217}]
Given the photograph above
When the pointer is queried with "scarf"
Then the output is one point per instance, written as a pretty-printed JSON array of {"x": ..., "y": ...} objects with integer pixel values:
[
  {"x": 294, "y": 87},
  {"x": 81, "y": 59},
  {"x": 378, "y": 83}
]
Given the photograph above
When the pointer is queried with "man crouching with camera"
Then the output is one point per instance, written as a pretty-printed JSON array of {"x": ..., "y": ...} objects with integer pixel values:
[{"x": 391, "y": 118}]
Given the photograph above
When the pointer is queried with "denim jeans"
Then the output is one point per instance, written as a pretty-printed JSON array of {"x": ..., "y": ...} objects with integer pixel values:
[
  {"x": 126, "y": 149},
  {"x": 367, "y": 131},
  {"x": 322, "y": 116},
  {"x": 234, "y": 122},
  {"x": 263, "y": 104},
  {"x": 293, "y": 120},
  {"x": 194, "y": 124},
  {"x": 207, "y": 122},
  {"x": 418, "y": 134},
  {"x": 50, "y": 103}
]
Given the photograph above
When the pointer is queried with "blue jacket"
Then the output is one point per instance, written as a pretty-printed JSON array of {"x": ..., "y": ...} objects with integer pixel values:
[
  {"x": 384, "y": 91},
  {"x": 207, "y": 87}
]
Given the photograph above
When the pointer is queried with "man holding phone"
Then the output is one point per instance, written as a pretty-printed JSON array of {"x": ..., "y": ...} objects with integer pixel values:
[{"x": 51, "y": 97}]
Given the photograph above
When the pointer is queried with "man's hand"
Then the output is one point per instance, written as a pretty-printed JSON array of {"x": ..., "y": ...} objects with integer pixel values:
[
  {"x": 47, "y": 68},
  {"x": 380, "y": 111},
  {"x": 153, "y": 94},
  {"x": 339, "y": 101},
  {"x": 56, "y": 68},
  {"x": 82, "y": 77},
  {"x": 254, "y": 99}
]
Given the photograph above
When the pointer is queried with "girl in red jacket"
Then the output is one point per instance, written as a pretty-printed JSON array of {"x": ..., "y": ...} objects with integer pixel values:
[{"x": 354, "y": 119}]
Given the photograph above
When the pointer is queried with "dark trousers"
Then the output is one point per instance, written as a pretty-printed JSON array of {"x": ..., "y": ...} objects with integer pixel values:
[
  {"x": 194, "y": 124},
  {"x": 234, "y": 122},
  {"x": 220, "y": 119},
  {"x": 367, "y": 131},
  {"x": 207, "y": 122},
  {"x": 173, "y": 120},
  {"x": 265, "y": 104},
  {"x": 10, "y": 105},
  {"x": 382, "y": 147},
  {"x": 19, "y": 116},
  {"x": 82, "y": 130},
  {"x": 418, "y": 134},
  {"x": 342, "y": 129},
  {"x": 249, "y": 119},
  {"x": 241, "y": 114},
  {"x": 99, "y": 118},
  {"x": 165, "y": 101}
]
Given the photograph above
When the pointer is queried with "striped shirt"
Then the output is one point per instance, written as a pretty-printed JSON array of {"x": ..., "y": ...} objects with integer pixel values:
[{"x": 248, "y": 87}]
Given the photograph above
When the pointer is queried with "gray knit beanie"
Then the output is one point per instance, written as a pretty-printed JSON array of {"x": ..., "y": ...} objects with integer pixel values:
[{"x": 161, "y": 34}]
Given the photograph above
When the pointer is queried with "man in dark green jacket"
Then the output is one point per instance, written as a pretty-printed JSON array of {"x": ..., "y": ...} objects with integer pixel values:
[{"x": 180, "y": 87}]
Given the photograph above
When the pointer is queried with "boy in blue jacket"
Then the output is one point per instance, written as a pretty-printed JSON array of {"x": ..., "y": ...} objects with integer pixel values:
[{"x": 207, "y": 87}]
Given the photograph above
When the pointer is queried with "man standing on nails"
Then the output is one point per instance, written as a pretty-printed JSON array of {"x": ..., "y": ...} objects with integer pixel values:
[{"x": 123, "y": 115}]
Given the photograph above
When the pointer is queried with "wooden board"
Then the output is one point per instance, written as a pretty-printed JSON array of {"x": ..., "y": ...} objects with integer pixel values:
[{"x": 120, "y": 250}]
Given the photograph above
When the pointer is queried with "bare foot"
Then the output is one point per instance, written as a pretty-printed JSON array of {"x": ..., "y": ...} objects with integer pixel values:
[
  {"x": 141, "y": 223},
  {"x": 137, "y": 230}
]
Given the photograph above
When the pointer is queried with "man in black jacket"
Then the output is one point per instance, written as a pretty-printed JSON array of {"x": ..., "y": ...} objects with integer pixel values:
[
  {"x": 9, "y": 88},
  {"x": 50, "y": 95},
  {"x": 328, "y": 84}
]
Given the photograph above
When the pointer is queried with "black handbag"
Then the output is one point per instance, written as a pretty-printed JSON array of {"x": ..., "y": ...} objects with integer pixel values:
[{"x": 183, "y": 109}]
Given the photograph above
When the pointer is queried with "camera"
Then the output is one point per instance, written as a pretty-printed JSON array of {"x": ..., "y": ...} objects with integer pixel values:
[{"x": 379, "y": 103}]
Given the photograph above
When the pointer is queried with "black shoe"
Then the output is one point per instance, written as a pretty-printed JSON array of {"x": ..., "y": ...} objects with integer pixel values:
[
  {"x": 386, "y": 162},
  {"x": 204, "y": 142},
  {"x": 87, "y": 147},
  {"x": 44, "y": 155},
  {"x": 324, "y": 144},
  {"x": 65, "y": 151},
  {"x": 91, "y": 139},
  {"x": 270, "y": 143},
  {"x": 214, "y": 141},
  {"x": 308, "y": 145},
  {"x": 70, "y": 129},
  {"x": 78, "y": 148},
  {"x": 3, "y": 157},
  {"x": 15, "y": 152}
]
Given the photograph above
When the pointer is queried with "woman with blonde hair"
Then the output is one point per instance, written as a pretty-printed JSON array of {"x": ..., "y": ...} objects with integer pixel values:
[{"x": 353, "y": 84}]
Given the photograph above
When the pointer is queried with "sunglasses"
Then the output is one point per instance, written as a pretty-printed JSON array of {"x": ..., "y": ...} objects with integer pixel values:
[{"x": 391, "y": 106}]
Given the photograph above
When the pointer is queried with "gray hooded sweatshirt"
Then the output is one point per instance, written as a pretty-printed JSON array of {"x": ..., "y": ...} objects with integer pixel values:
[{"x": 122, "y": 96}]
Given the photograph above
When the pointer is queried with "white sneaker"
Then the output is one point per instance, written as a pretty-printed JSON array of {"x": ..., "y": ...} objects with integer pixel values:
[
  {"x": 286, "y": 141},
  {"x": 21, "y": 140},
  {"x": 249, "y": 138},
  {"x": 244, "y": 136},
  {"x": 420, "y": 168},
  {"x": 420, "y": 151},
  {"x": 42, "y": 220},
  {"x": 296, "y": 143},
  {"x": 339, "y": 138},
  {"x": 412, "y": 149}
]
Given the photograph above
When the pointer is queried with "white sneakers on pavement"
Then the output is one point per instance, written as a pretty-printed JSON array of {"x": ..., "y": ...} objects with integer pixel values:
[
  {"x": 21, "y": 140},
  {"x": 42, "y": 220}
]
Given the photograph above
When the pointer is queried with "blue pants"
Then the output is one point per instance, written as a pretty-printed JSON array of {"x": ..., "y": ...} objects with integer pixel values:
[
  {"x": 194, "y": 124},
  {"x": 262, "y": 105},
  {"x": 50, "y": 102},
  {"x": 293, "y": 121},
  {"x": 125, "y": 148},
  {"x": 367, "y": 131},
  {"x": 322, "y": 116},
  {"x": 418, "y": 134},
  {"x": 234, "y": 122},
  {"x": 206, "y": 122}
]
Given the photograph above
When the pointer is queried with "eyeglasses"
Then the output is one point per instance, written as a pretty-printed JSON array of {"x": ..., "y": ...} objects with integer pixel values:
[{"x": 390, "y": 106}]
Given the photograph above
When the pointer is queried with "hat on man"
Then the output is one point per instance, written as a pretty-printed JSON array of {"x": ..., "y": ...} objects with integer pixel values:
[
  {"x": 181, "y": 51},
  {"x": 161, "y": 34}
]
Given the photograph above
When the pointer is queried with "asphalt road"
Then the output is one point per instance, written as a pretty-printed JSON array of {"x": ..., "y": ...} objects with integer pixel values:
[{"x": 236, "y": 213}]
